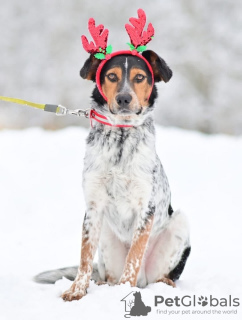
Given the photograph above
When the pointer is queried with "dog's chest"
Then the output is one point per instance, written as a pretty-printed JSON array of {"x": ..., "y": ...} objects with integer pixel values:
[
  {"x": 122, "y": 203},
  {"x": 119, "y": 175}
]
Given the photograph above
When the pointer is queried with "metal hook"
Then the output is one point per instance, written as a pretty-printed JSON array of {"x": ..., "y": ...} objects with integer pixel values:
[{"x": 62, "y": 111}]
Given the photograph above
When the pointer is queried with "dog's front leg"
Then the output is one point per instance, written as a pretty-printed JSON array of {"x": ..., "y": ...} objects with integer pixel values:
[
  {"x": 90, "y": 237},
  {"x": 136, "y": 251}
]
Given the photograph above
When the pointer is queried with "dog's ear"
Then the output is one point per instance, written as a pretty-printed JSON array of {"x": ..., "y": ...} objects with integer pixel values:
[
  {"x": 88, "y": 71},
  {"x": 159, "y": 66}
]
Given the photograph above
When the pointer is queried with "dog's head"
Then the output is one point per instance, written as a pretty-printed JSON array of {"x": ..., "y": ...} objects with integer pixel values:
[
  {"x": 126, "y": 81},
  {"x": 125, "y": 90}
]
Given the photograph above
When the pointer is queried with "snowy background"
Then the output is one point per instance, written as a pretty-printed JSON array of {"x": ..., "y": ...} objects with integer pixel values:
[
  {"x": 42, "y": 209},
  {"x": 41, "y": 55},
  {"x": 41, "y": 201}
]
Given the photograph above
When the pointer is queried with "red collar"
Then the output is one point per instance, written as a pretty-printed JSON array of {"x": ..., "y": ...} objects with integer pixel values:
[{"x": 94, "y": 115}]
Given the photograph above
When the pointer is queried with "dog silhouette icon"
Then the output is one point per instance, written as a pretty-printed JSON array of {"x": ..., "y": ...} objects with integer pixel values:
[{"x": 139, "y": 308}]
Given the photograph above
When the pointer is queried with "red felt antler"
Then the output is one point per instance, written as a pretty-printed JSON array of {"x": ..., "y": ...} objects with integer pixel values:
[
  {"x": 99, "y": 35},
  {"x": 138, "y": 37}
]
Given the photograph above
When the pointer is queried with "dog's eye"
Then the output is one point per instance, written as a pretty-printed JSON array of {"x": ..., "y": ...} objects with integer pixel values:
[
  {"x": 139, "y": 78},
  {"x": 112, "y": 77}
]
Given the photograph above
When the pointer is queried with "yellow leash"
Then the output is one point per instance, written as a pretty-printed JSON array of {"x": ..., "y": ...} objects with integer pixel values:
[
  {"x": 59, "y": 110},
  {"x": 24, "y": 102}
]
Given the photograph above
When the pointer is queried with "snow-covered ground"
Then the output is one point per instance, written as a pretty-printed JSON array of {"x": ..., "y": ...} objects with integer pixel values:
[{"x": 41, "y": 212}]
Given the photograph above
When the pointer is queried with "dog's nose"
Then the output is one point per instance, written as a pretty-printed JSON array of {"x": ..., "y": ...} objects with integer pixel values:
[{"x": 123, "y": 100}]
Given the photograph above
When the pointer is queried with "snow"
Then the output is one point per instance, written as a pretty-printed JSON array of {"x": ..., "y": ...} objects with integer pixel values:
[{"x": 42, "y": 209}]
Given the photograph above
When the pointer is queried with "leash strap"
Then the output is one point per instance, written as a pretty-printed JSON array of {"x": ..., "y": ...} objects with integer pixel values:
[
  {"x": 24, "y": 102},
  {"x": 60, "y": 110}
]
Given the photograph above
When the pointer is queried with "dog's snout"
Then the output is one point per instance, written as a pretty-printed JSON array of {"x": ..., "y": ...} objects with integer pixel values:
[{"x": 123, "y": 100}]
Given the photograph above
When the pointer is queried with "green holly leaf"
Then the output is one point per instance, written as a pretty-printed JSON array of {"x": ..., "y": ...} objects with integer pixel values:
[
  {"x": 100, "y": 56},
  {"x": 141, "y": 48},
  {"x": 109, "y": 49},
  {"x": 132, "y": 47}
]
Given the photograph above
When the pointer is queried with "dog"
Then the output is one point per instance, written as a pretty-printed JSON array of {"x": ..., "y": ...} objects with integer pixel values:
[{"x": 129, "y": 217}]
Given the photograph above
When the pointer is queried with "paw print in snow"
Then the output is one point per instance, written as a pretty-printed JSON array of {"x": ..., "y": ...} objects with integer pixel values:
[{"x": 203, "y": 301}]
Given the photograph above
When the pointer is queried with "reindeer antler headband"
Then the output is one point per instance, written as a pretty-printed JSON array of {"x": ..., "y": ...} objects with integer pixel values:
[{"x": 99, "y": 48}]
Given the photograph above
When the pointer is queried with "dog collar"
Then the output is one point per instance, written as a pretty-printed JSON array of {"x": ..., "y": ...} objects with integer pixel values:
[
  {"x": 138, "y": 40},
  {"x": 94, "y": 115}
]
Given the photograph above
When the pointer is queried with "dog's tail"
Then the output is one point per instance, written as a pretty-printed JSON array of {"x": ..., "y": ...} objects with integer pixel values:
[{"x": 50, "y": 277}]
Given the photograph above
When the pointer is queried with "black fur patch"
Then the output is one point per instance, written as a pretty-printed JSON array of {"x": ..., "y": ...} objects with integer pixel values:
[
  {"x": 170, "y": 210},
  {"x": 124, "y": 134},
  {"x": 177, "y": 271},
  {"x": 97, "y": 97},
  {"x": 151, "y": 210},
  {"x": 89, "y": 69},
  {"x": 153, "y": 96},
  {"x": 159, "y": 66}
]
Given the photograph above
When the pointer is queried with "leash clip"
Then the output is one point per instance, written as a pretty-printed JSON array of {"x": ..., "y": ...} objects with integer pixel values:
[
  {"x": 63, "y": 111},
  {"x": 79, "y": 112}
]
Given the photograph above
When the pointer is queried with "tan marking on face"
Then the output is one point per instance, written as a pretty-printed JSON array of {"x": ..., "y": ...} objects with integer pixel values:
[
  {"x": 141, "y": 89},
  {"x": 136, "y": 254},
  {"x": 110, "y": 88}
]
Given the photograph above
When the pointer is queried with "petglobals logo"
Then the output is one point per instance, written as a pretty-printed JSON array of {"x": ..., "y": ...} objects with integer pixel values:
[
  {"x": 194, "y": 301},
  {"x": 135, "y": 305}
]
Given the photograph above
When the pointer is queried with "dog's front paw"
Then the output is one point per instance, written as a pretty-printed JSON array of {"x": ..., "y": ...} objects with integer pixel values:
[
  {"x": 76, "y": 292},
  {"x": 70, "y": 295}
]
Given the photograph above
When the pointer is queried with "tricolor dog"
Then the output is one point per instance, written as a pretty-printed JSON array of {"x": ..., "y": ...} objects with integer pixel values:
[{"x": 129, "y": 218}]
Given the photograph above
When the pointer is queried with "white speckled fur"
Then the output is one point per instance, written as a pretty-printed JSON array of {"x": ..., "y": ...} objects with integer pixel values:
[{"x": 122, "y": 185}]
